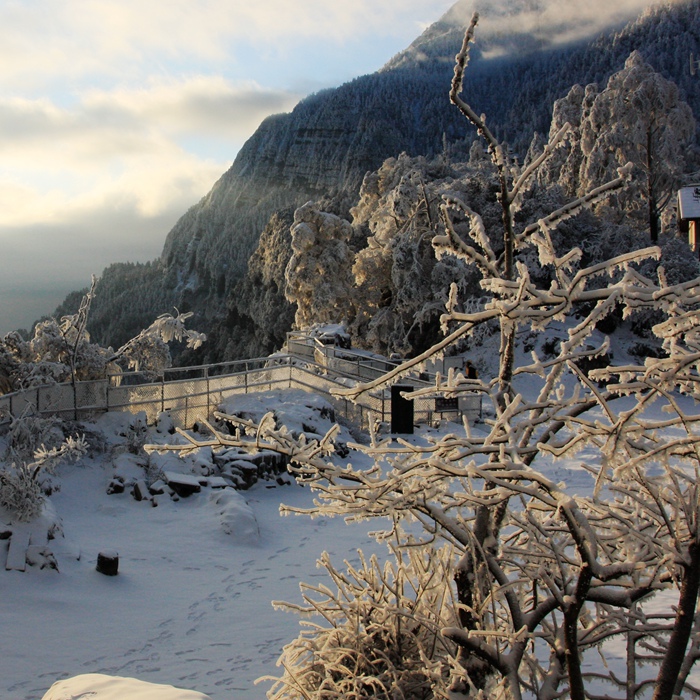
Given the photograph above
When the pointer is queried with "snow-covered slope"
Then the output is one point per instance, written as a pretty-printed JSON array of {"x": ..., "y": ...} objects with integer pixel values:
[{"x": 191, "y": 604}]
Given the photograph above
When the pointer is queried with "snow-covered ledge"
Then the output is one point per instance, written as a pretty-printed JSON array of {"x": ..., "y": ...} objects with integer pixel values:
[{"x": 97, "y": 686}]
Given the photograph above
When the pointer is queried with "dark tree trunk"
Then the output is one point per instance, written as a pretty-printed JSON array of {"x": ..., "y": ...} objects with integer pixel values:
[
  {"x": 653, "y": 221},
  {"x": 682, "y": 628}
]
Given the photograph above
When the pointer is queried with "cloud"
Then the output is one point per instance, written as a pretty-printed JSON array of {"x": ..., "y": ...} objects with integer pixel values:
[
  {"x": 78, "y": 39},
  {"x": 42, "y": 263},
  {"x": 124, "y": 144},
  {"x": 150, "y": 184},
  {"x": 202, "y": 103},
  {"x": 551, "y": 21},
  {"x": 122, "y": 41}
]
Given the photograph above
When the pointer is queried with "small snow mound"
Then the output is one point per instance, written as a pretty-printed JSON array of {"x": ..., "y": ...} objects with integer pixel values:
[
  {"x": 165, "y": 424},
  {"x": 116, "y": 425},
  {"x": 168, "y": 461},
  {"x": 128, "y": 466},
  {"x": 236, "y": 516},
  {"x": 97, "y": 686}
]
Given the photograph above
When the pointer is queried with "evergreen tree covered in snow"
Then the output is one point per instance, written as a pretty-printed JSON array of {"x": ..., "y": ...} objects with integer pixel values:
[{"x": 638, "y": 118}]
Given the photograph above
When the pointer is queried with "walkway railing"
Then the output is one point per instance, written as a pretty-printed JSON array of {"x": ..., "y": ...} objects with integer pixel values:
[{"x": 190, "y": 394}]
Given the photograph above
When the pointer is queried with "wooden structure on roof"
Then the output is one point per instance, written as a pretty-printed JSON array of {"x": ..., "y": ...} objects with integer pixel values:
[{"x": 689, "y": 214}]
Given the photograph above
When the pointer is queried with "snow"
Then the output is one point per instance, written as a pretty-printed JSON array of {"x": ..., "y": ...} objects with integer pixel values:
[
  {"x": 100, "y": 687},
  {"x": 191, "y": 604}
]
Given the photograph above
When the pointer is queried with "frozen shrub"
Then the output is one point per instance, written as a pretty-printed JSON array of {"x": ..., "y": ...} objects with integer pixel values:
[
  {"x": 375, "y": 632},
  {"x": 22, "y": 482}
]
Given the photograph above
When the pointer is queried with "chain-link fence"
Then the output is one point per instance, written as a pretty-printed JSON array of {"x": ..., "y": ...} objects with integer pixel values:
[{"x": 191, "y": 394}]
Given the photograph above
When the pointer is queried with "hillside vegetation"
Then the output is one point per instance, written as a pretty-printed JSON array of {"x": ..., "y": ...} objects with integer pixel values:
[{"x": 322, "y": 150}]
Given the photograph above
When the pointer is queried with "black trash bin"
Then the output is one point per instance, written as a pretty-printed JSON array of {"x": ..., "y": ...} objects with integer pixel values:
[{"x": 401, "y": 410}]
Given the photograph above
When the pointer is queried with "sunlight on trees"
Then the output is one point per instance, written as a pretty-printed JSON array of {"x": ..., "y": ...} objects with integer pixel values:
[
  {"x": 639, "y": 118},
  {"x": 532, "y": 580}
]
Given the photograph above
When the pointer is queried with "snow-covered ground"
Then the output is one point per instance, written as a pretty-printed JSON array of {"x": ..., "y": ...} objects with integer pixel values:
[{"x": 191, "y": 605}]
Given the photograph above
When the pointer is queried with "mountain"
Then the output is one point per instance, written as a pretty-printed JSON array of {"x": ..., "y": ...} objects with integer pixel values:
[{"x": 324, "y": 147}]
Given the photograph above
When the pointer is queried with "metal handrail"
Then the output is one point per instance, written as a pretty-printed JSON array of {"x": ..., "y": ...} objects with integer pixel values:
[{"x": 141, "y": 388}]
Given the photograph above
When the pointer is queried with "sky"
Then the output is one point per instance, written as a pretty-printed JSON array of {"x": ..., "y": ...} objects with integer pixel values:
[{"x": 116, "y": 115}]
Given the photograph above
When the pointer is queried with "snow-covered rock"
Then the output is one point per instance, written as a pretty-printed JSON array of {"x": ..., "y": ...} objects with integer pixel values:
[
  {"x": 98, "y": 686},
  {"x": 236, "y": 516}
]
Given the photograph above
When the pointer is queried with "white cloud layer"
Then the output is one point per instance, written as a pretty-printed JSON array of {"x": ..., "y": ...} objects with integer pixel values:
[
  {"x": 55, "y": 161},
  {"x": 75, "y": 38},
  {"x": 554, "y": 21}
]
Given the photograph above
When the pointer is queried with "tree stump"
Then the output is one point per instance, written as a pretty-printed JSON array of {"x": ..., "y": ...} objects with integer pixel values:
[{"x": 108, "y": 563}]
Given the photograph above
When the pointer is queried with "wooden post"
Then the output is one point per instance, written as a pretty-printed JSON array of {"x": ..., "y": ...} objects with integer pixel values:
[{"x": 108, "y": 563}]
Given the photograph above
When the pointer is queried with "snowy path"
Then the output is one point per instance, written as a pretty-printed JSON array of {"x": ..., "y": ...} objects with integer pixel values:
[{"x": 190, "y": 606}]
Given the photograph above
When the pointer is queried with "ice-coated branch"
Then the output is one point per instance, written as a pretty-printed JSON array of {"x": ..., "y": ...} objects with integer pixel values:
[
  {"x": 578, "y": 205},
  {"x": 474, "y": 644},
  {"x": 409, "y": 365},
  {"x": 165, "y": 328},
  {"x": 537, "y": 162},
  {"x": 461, "y": 62},
  {"x": 462, "y": 58},
  {"x": 453, "y": 244},
  {"x": 266, "y": 437}
]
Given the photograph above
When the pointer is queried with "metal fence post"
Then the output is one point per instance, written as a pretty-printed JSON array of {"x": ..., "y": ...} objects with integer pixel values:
[{"x": 206, "y": 375}]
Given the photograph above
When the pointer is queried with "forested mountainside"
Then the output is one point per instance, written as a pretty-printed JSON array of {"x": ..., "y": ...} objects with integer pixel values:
[{"x": 324, "y": 147}]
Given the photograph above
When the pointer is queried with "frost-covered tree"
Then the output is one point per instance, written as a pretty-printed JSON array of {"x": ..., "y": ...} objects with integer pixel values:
[
  {"x": 21, "y": 489},
  {"x": 61, "y": 351},
  {"x": 22, "y": 477},
  {"x": 318, "y": 275},
  {"x": 537, "y": 579},
  {"x": 638, "y": 118},
  {"x": 400, "y": 286}
]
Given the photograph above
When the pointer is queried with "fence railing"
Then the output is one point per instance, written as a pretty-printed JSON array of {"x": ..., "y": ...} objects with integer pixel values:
[{"x": 190, "y": 394}]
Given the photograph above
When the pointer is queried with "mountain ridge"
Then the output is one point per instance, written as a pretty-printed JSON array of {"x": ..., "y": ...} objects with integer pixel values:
[{"x": 324, "y": 147}]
